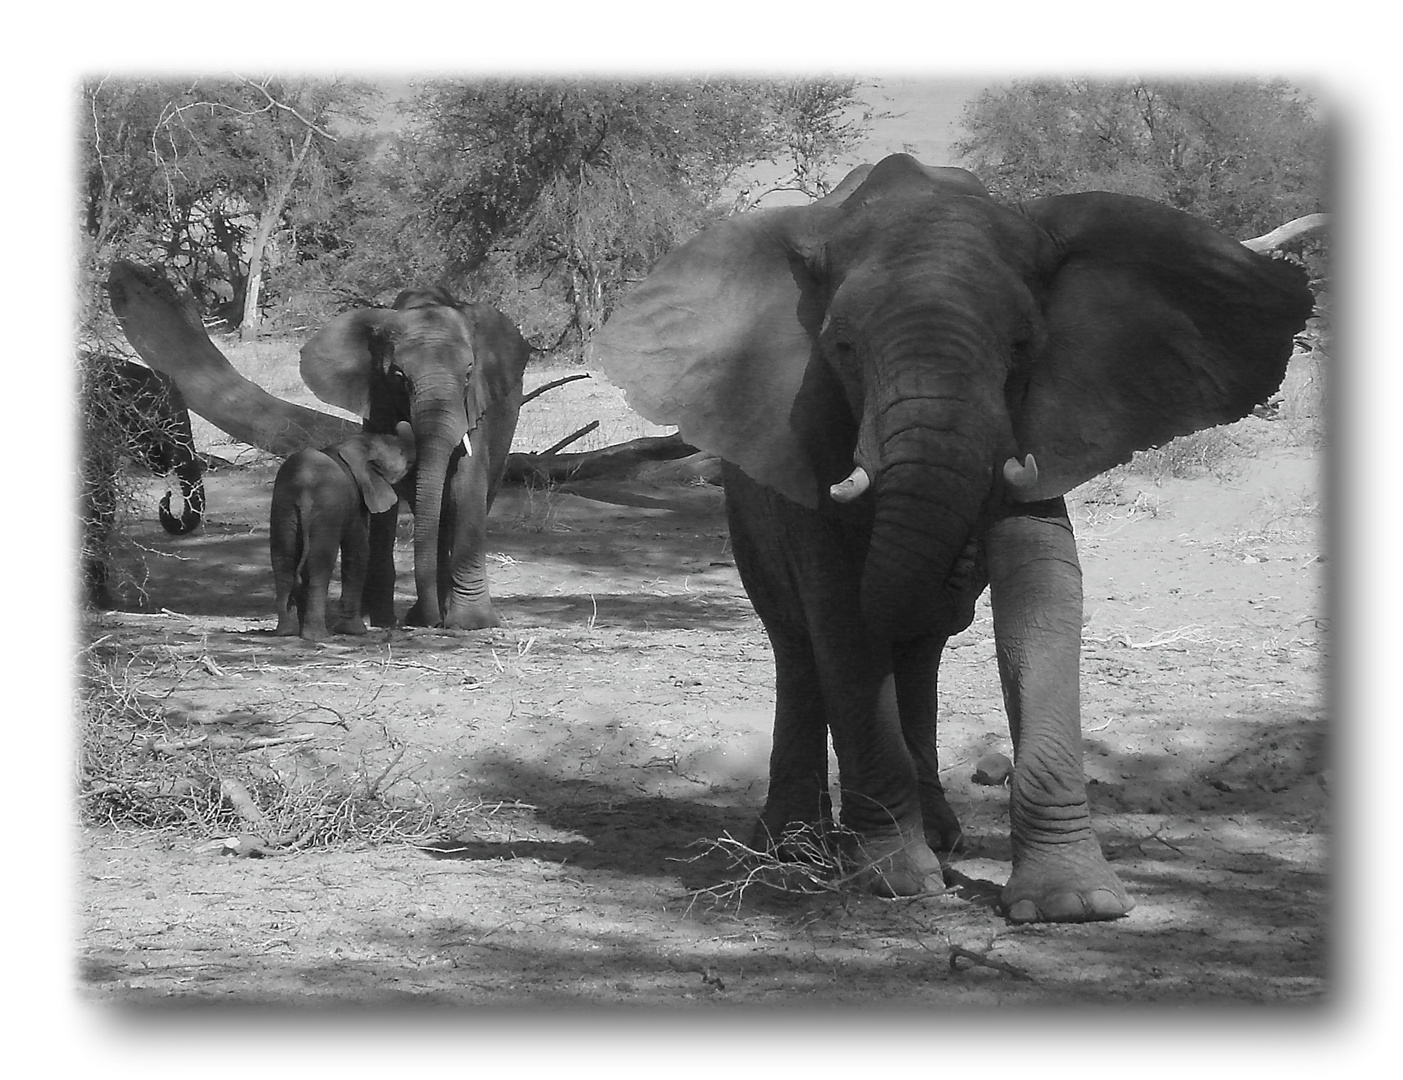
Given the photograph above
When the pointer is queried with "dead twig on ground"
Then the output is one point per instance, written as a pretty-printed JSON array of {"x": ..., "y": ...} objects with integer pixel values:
[
  {"x": 958, "y": 953},
  {"x": 374, "y": 786},
  {"x": 225, "y": 742}
]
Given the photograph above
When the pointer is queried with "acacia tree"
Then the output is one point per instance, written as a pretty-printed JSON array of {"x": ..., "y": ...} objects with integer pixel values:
[
  {"x": 573, "y": 187},
  {"x": 1245, "y": 154},
  {"x": 547, "y": 197},
  {"x": 200, "y": 175},
  {"x": 810, "y": 125}
]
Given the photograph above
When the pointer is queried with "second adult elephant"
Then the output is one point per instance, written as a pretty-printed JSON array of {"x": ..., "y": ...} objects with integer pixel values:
[
  {"x": 157, "y": 426},
  {"x": 453, "y": 370},
  {"x": 904, "y": 379}
]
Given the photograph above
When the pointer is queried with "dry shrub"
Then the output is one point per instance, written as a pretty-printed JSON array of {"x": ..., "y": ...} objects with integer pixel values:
[
  {"x": 1211, "y": 452},
  {"x": 109, "y": 442}
]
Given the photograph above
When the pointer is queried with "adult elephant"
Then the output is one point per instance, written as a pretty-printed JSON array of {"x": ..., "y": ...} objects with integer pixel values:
[
  {"x": 130, "y": 413},
  {"x": 156, "y": 424},
  {"x": 904, "y": 379},
  {"x": 453, "y": 370}
]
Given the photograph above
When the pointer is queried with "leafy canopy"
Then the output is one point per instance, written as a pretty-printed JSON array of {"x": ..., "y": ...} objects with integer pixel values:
[{"x": 1247, "y": 155}]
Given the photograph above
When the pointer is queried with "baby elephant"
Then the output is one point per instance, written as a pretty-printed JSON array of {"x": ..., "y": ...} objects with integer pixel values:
[{"x": 322, "y": 500}]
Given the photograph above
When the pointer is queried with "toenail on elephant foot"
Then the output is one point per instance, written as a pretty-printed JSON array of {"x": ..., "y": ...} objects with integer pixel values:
[{"x": 1076, "y": 886}]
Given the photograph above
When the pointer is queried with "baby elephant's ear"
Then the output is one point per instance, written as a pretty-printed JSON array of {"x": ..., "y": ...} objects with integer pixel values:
[
  {"x": 337, "y": 359},
  {"x": 375, "y": 491},
  {"x": 717, "y": 340}
]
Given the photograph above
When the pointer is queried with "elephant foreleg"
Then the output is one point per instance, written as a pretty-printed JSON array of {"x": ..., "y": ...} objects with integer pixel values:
[
  {"x": 801, "y": 572},
  {"x": 798, "y": 795},
  {"x": 355, "y": 552},
  {"x": 379, "y": 592},
  {"x": 464, "y": 598},
  {"x": 1059, "y": 873},
  {"x": 916, "y": 664}
]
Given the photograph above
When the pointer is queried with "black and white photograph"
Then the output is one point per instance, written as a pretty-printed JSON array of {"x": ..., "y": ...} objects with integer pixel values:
[{"x": 705, "y": 540}]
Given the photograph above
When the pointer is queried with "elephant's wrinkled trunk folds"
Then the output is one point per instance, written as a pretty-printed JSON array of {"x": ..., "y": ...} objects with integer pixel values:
[
  {"x": 932, "y": 422},
  {"x": 440, "y": 422}
]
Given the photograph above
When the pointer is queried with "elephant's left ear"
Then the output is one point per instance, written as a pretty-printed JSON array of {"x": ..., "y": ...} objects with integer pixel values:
[
  {"x": 500, "y": 354},
  {"x": 375, "y": 491},
  {"x": 1157, "y": 325},
  {"x": 337, "y": 359}
]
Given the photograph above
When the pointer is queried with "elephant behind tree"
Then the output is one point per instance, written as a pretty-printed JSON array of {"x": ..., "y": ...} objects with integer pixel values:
[
  {"x": 139, "y": 415},
  {"x": 322, "y": 502},
  {"x": 903, "y": 380},
  {"x": 453, "y": 370}
]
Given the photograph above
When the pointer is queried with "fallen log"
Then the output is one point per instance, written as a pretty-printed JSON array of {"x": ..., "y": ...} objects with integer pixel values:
[
  {"x": 611, "y": 461},
  {"x": 167, "y": 333}
]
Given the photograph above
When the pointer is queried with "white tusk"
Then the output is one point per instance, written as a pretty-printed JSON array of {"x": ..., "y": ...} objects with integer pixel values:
[
  {"x": 857, "y": 482},
  {"x": 467, "y": 445},
  {"x": 1021, "y": 476}
]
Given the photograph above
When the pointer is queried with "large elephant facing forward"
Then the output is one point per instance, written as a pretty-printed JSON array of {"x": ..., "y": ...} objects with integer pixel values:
[
  {"x": 453, "y": 370},
  {"x": 904, "y": 379}
]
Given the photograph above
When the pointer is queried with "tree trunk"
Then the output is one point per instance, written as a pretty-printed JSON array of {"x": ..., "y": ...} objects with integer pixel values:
[
  {"x": 612, "y": 461},
  {"x": 272, "y": 214}
]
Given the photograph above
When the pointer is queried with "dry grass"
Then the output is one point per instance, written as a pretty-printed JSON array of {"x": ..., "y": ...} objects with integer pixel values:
[{"x": 137, "y": 768}]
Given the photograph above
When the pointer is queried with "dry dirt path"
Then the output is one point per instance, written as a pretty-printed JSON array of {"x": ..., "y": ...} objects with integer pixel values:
[{"x": 622, "y": 716}]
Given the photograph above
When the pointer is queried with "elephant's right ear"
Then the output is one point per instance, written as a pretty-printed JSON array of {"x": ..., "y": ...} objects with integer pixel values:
[
  {"x": 336, "y": 361},
  {"x": 718, "y": 339}
]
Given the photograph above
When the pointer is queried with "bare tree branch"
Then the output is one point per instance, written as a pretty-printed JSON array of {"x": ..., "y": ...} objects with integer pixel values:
[{"x": 552, "y": 385}]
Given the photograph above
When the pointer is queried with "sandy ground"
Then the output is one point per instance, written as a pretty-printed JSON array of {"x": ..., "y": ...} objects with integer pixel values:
[{"x": 622, "y": 717}]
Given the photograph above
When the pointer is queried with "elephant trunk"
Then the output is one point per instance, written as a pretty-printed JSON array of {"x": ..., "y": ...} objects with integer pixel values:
[
  {"x": 440, "y": 422},
  {"x": 935, "y": 432}
]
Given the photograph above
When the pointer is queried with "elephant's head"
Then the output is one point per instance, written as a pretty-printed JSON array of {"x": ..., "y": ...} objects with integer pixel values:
[
  {"x": 425, "y": 360},
  {"x": 907, "y": 344},
  {"x": 378, "y": 463}
]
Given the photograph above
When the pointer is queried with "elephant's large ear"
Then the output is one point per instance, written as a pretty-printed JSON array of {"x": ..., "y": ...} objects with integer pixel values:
[
  {"x": 500, "y": 354},
  {"x": 375, "y": 491},
  {"x": 1157, "y": 325},
  {"x": 336, "y": 361},
  {"x": 718, "y": 338}
]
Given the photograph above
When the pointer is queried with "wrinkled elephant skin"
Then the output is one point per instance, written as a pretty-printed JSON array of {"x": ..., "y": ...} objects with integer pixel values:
[{"x": 904, "y": 378}]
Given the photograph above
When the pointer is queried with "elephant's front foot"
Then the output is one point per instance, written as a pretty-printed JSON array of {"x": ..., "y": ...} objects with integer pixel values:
[
  {"x": 895, "y": 864},
  {"x": 355, "y": 627},
  {"x": 478, "y": 616},
  {"x": 1064, "y": 883}
]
